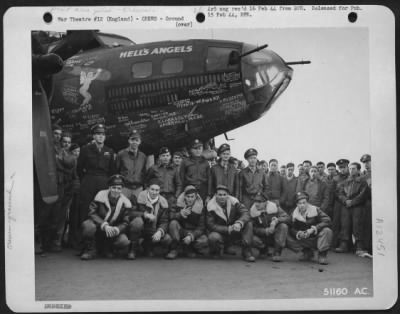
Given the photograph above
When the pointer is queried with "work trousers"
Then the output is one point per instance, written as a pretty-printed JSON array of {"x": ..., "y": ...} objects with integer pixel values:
[
  {"x": 244, "y": 237},
  {"x": 321, "y": 242},
  {"x": 351, "y": 223},
  {"x": 177, "y": 233},
  {"x": 277, "y": 239}
]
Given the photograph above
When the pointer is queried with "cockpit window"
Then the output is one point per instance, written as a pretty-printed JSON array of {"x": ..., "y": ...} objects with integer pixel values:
[
  {"x": 142, "y": 69},
  {"x": 172, "y": 65},
  {"x": 218, "y": 59}
]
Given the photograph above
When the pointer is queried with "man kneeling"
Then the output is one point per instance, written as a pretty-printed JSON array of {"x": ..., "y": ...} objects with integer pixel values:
[
  {"x": 270, "y": 226},
  {"x": 109, "y": 215},
  {"x": 310, "y": 230},
  {"x": 187, "y": 224},
  {"x": 228, "y": 221},
  {"x": 150, "y": 221}
]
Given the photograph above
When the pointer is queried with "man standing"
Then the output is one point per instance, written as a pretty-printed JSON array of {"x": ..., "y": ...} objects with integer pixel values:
[
  {"x": 300, "y": 170},
  {"x": 264, "y": 166},
  {"x": 310, "y": 230},
  {"x": 195, "y": 170},
  {"x": 274, "y": 183},
  {"x": 95, "y": 166},
  {"x": 321, "y": 170},
  {"x": 331, "y": 187},
  {"x": 315, "y": 188},
  {"x": 251, "y": 180},
  {"x": 150, "y": 221},
  {"x": 168, "y": 175},
  {"x": 289, "y": 189},
  {"x": 109, "y": 215},
  {"x": 337, "y": 208},
  {"x": 270, "y": 226},
  {"x": 228, "y": 221},
  {"x": 366, "y": 160},
  {"x": 223, "y": 173},
  {"x": 306, "y": 174},
  {"x": 352, "y": 194},
  {"x": 177, "y": 159},
  {"x": 131, "y": 163},
  {"x": 187, "y": 224}
]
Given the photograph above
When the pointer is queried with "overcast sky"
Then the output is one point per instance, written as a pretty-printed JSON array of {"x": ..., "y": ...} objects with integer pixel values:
[{"x": 323, "y": 114}]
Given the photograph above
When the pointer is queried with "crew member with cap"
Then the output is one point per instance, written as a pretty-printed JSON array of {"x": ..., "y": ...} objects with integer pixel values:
[
  {"x": 187, "y": 225},
  {"x": 310, "y": 230},
  {"x": 131, "y": 163},
  {"x": 223, "y": 173},
  {"x": 168, "y": 175},
  {"x": 95, "y": 166},
  {"x": 288, "y": 201},
  {"x": 352, "y": 193},
  {"x": 228, "y": 221},
  {"x": 149, "y": 221},
  {"x": 343, "y": 166},
  {"x": 109, "y": 216},
  {"x": 315, "y": 188},
  {"x": 270, "y": 226},
  {"x": 251, "y": 180},
  {"x": 274, "y": 185},
  {"x": 195, "y": 170},
  {"x": 366, "y": 160}
]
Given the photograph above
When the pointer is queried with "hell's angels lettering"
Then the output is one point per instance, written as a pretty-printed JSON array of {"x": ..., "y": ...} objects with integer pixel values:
[{"x": 156, "y": 51}]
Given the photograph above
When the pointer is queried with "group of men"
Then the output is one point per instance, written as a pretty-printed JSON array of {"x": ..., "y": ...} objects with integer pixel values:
[{"x": 195, "y": 206}]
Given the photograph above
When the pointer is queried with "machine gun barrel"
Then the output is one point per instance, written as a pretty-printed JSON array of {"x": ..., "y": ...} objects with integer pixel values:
[{"x": 298, "y": 62}]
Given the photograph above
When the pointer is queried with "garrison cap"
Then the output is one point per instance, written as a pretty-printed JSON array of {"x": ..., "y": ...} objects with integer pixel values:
[
  {"x": 190, "y": 189},
  {"x": 195, "y": 143},
  {"x": 116, "y": 179},
  {"x": 342, "y": 162},
  {"x": 223, "y": 148},
  {"x": 154, "y": 181},
  {"x": 301, "y": 196},
  {"x": 250, "y": 152},
  {"x": 331, "y": 164},
  {"x": 365, "y": 158},
  {"x": 134, "y": 134},
  {"x": 290, "y": 164},
  {"x": 98, "y": 128},
  {"x": 260, "y": 197},
  {"x": 164, "y": 150},
  {"x": 222, "y": 187}
]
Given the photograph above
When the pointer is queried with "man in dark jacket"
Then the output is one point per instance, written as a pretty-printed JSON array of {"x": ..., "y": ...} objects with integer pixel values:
[
  {"x": 251, "y": 180},
  {"x": 288, "y": 199},
  {"x": 228, "y": 221},
  {"x": 366, "y": 160},
  {"x": 315, "y": 188},
  {"x": 352, "y": 194},
  {"x": 187, "y": 224},
  {"x": 310, "y": 230},
  {"x": 223, "y": 173},
  {"x": 168, "y": 175},
  {"x": 195, "y": 170},
  {"x": 131, "y": 163},
  {"x": 330, "y": 188},
  {"x": 95, "y": 166},
  {"x": 270, "y": 226},
  {"x": 274, "y": 183},
  {"x": 109, "y": 215},
  {"x": 149, "y": 221}
]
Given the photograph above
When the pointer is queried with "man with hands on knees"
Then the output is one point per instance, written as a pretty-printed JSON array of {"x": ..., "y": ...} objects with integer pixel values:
[
  {"x": 270, "y": 226},
  {"x": 228, "y": 221},
  {"x": 310, "y": 230},
  {"x": 106, "y": 226},
  {"x": 187, "y": 224},
  {"x": 149, "y": 221}
]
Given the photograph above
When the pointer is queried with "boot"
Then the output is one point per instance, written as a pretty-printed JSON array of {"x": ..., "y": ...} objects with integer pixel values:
[
  {"x": 307, "y": 255},
  {"x": 276, "y": 257},
  {"x": 343, "y": 247},
  {"x": 248, "y": 255},
  {"x": 89, "y": 251},
  {"x": 172, "y": 254},
  {"x": 322, "y": 258},
  {"x": 360, "y": 248},
  {"x": 131, "y": 253}
]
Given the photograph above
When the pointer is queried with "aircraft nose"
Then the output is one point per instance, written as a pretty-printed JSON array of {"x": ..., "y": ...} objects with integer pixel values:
[{"x": 265, "y": 78}]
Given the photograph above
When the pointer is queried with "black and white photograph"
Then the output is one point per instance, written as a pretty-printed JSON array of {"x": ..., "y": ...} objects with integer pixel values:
[{"x": 202, "y": 158}]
